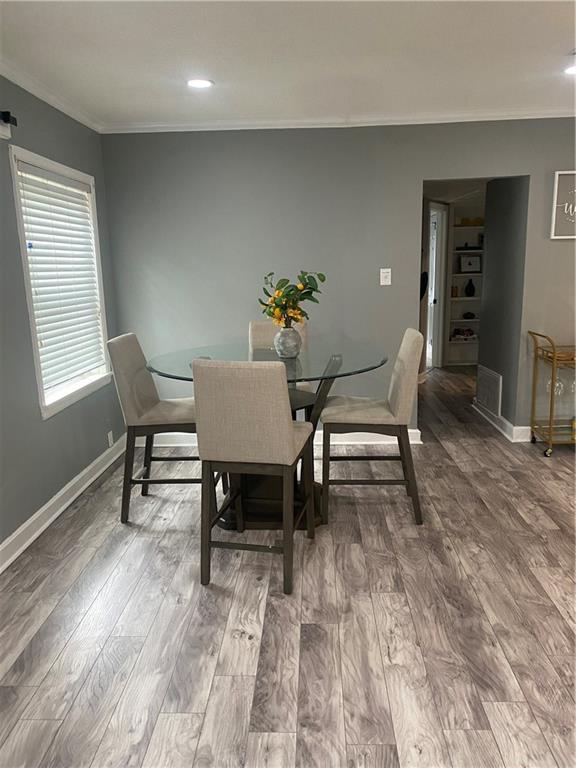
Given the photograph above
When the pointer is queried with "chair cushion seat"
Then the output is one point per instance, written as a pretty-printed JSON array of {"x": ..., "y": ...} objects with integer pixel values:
[
  {"x": 179, "y": 411},
  {"x": 344, "y": 409},
  {"x": 306, "y": 386}
]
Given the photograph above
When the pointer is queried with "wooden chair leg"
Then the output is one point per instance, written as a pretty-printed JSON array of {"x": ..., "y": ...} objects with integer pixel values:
[
  {"x": 206, "y": 521},
  {"x": 308, "y": 487},
  {"x": 288, "y": 527},
  {"x": 404, "y": 467},
  {"x": 147, "y": 462},
  {"x": 325, "y": 473},
  {"x": 406, "y": 451},
  {"x": 225, "y": 483},
  {"x": 128, "y": 472}
]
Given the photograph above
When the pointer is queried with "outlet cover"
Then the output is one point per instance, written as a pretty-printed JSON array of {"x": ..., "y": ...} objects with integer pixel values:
[
  {"x": 386, "y": 276},
  {"x": 110, "y": 439}
]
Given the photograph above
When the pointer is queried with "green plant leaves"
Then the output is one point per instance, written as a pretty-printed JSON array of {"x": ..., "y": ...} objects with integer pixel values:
[
  {"x": 312, "y": 282},
  {"x": 292, "y": 296}
]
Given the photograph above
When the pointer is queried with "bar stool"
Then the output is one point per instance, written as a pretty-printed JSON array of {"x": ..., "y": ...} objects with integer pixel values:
[
  {"x": 145, "y": 415},
  {"x": 343, "y": 415},
  {"x": 245, "y": 426}
]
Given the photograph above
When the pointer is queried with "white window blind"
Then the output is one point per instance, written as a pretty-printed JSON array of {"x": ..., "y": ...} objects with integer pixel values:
[{"x": 64, "y": 287}]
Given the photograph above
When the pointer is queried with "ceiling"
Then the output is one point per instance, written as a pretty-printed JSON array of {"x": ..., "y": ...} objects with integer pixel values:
[{"x": 123, "y": 66}]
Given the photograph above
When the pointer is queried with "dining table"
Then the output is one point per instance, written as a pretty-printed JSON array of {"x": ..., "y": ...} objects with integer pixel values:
[{"x": 323, "y": 360}]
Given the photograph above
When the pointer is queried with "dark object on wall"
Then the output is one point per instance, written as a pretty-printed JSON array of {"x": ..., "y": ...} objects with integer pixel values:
[
  {"x": 8, "y": 118},
  {"x": 470, "y": 289},
  {"x": 469, "y": 316},
  {"x": 423, "y": 284}
]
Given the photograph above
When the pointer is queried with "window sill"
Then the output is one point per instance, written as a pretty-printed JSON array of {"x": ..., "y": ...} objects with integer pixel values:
[{"x": 80, "y": 391}]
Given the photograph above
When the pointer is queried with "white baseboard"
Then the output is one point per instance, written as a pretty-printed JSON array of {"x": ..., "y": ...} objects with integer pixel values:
[
  {"x": 23, "y": 536},
  {"x": 511, "y": 432},
  {"x": 173, "y": 439}
]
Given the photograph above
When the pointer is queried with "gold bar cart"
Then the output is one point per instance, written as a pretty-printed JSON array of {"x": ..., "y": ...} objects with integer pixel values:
[{"x": 552, "y": 431}]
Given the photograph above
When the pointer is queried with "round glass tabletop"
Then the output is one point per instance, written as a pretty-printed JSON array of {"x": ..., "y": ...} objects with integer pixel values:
[{"x": 323, "y": 357}]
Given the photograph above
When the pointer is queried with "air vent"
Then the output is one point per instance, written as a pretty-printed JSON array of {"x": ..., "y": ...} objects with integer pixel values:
[{"x": 489, "y": 390}]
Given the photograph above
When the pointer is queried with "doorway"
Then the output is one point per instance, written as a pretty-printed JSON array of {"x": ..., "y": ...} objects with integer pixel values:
[{"x": 452, "y": 271}]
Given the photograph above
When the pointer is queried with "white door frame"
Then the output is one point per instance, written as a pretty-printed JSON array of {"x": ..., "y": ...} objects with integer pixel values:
[{"x": 436, "y": 288}]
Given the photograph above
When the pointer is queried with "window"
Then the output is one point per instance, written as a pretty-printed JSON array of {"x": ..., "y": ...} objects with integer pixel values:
[{"x": 56, "y": 211}]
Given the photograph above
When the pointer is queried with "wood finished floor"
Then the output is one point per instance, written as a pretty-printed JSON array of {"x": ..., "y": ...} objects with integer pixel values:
[{"x": 446, "y": 645}]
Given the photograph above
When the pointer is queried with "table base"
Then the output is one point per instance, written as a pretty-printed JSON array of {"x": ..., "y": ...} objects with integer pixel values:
[{"x": 262, "y": 503}]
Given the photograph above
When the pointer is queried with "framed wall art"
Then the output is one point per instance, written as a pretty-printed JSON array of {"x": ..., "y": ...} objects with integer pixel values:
[{"x": 564, "y": 206}]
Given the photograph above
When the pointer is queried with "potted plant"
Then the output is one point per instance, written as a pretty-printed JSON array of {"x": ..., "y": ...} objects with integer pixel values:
[{"x": 283, "y": 306}]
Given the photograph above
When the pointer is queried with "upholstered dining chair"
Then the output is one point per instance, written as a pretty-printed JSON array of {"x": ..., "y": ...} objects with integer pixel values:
[
  {"x": 261, "y": 336},
  {"x": 145, "y": 415},
  {"x": 245, "y": 426},
  {"x": 261, "y": 333},
  {"x": 391, "y": 416}
]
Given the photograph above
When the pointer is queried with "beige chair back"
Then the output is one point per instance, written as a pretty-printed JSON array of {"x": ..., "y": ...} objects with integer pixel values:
[
  {"x": 134, "y": 383},
  {"x": 243, "y": 412},
  {"x": 261, "y": 333},
  {"x": 404, "y": 382}
]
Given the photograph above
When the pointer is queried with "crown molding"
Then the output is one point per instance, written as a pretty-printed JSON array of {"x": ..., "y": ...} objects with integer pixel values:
[
  {"x": 38, "y": 89},
  {"x": 42, "y": 92},
  {"x": 335, "y": 122}
]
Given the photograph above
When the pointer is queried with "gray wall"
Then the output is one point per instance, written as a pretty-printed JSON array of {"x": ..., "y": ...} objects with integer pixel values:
[
  {"x": 37, "y": 458},
  {"x": 506, "y": 216},
  {"x": 196, "y": 219}
]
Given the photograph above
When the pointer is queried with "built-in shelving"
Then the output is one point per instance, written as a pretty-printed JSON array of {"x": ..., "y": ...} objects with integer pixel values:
[
  {"x": 467, "y": 274},
  {"x": 462, "y": 350}
]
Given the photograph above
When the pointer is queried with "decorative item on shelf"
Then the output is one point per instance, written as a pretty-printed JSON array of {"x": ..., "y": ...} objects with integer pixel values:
[
  {"x": 481, "y": 240},
  {"x": 558, "y": 386},
  {"x": 467, "y": 247},
  {"x": 454, "y": 291},
  {"x": 470, "y": 264},
  {"x": 465, "y": 221},
  {"x": 282, "y": 306},
  {"x": 468, "y": 316},
  {"x": 464, "y": 334},
  {"x": 478, "y": 221},
  {"x": 470, "y": 289}
]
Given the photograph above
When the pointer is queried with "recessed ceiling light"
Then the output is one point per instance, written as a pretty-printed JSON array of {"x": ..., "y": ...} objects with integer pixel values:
[{"x": 200, "y": 83}]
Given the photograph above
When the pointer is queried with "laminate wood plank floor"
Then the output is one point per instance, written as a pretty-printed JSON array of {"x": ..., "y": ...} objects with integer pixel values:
[{"x": 449, "y": 645}]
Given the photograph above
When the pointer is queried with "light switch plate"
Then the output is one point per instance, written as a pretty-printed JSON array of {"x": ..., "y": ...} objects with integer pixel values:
[{"x": 386, "y": 276}]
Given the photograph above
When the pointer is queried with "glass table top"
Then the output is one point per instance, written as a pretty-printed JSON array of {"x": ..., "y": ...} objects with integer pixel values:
[{"x": 323, "y": 357}]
